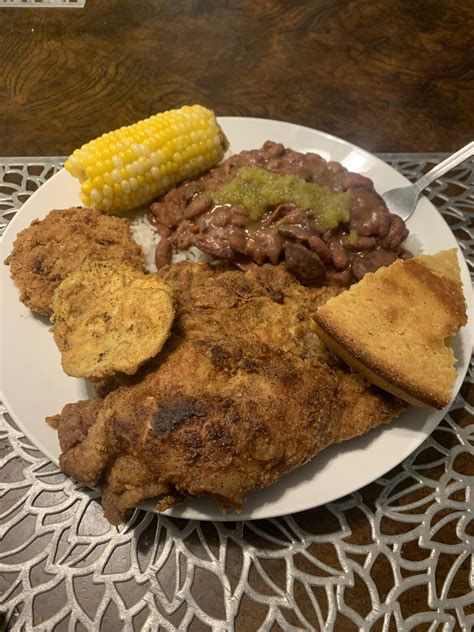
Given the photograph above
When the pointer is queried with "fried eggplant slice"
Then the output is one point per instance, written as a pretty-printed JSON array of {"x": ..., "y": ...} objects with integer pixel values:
[{"x": 110, "y": 319}]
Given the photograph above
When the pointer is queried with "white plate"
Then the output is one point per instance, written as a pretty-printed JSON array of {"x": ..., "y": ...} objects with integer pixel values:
[{"x": 34, "y": 385}]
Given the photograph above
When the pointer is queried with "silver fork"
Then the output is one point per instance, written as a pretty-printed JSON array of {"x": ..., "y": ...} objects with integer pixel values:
[{"x": 403, "y": 200}]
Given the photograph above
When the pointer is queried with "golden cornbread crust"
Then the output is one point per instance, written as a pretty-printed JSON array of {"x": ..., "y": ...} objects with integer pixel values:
[{"x": 393, "y": 325}]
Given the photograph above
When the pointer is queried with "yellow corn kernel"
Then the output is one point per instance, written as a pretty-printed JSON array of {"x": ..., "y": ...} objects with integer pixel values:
[{"x": 148, "y": 158}]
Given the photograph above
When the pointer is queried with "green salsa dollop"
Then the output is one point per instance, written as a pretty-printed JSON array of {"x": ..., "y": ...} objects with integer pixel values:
[{"x": 256, "y": 190}]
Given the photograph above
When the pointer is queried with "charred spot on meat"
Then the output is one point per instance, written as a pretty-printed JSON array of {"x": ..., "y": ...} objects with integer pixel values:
[{"x": 174, "y": 410}]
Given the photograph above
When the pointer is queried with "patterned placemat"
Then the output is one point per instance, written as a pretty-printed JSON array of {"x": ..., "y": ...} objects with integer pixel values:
[{"x": 397, "y": 555}]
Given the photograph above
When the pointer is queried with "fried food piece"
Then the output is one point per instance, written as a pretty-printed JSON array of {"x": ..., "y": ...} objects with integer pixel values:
[
  {"x": 49, "y": 249},
  {"x": 379, "y": 327},
  {"x": 243, "y": 392},
  {"x": 84, "y": 286},
  {"x": 110, "y": 318}
]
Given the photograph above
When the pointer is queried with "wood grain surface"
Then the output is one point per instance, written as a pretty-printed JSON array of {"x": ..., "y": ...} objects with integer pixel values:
[{"x": 390, "y": 75}]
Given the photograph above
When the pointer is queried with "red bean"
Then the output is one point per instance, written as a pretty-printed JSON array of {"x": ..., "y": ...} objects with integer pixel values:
[
  {"x": 351, "y": 180},
  {"x": 395, "y": 234},
  {"x": 342, "y": 279},
  {"x": 362, "y": 243},
  {"x": 338, "y": 254},
  {"x": 237, "y": 239},
  {"x": 318, "y": 246},
  {"x": 163, "y": 252},
  {"x": 163, "y": 231},
  {"x": 292, "y": 231},
  {"x": 304, "y": 263},
  {"x": 199, "y": 205}
]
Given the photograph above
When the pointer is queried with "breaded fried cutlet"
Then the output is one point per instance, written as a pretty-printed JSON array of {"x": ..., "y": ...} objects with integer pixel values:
[
  {"x": 110, "y": 318},
  {"x": 242, "y": 392},
  {"x": 394, "y": 327},
  {"x": 49, "y": 249}
]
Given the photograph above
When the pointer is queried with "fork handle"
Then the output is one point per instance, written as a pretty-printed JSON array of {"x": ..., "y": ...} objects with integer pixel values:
[{"x": 445, "y": 166}]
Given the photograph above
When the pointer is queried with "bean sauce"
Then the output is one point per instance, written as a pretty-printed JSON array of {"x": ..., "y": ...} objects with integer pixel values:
[{"x": 288, "y": 234}]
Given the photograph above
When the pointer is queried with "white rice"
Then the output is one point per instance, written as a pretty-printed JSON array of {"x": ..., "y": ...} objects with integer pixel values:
[
  {"x": 144, "y": 234},
  {"x": 146, "y": 237}
]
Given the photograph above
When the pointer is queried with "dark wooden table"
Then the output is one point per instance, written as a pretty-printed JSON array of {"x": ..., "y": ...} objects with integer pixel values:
[{"x": 391, "y": 76}]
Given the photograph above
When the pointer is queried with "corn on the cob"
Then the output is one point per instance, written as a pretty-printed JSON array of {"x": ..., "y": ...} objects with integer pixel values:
[{"x": 133, "y": 165}]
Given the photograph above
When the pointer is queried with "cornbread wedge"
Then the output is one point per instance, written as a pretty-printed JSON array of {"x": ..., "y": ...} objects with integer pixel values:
[{"x": 394, "y": 327}]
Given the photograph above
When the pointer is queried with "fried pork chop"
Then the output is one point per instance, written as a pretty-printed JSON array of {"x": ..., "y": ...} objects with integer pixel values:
[
  {"x": 243, "y": 392},
  {"x": 49, "y": 249}
]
